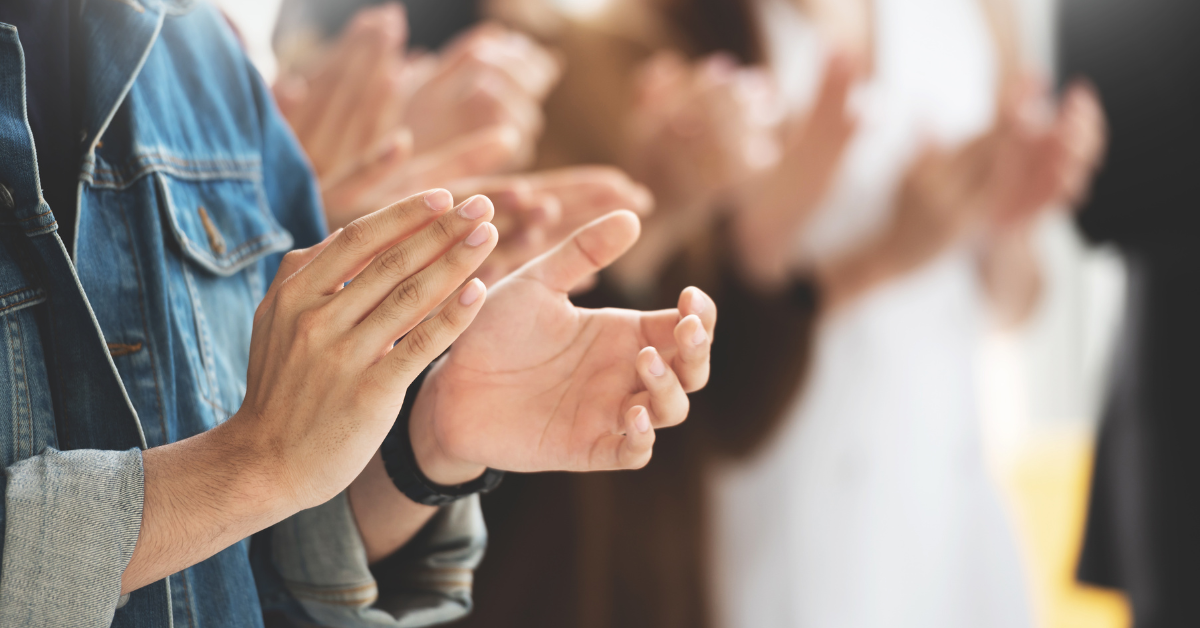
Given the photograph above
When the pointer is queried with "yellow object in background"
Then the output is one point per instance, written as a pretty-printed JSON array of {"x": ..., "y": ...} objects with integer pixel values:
[{"x": 1045, "y": 482}]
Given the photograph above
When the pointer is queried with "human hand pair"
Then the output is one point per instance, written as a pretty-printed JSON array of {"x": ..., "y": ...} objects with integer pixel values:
[
  {"x": 488, "y": 76},
  {"x": 697, "y": 129},
  {"x": 563, "y": 387},
  {"x": 771, "y": 209},
  {"x": 354, "y": 111},
  {"x": 1037, "y": 155}
]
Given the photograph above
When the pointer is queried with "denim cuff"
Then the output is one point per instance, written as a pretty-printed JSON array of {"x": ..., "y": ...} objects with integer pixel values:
[
  {"x": 72, "y": 521},
  {"x": 321, "y": 558}
]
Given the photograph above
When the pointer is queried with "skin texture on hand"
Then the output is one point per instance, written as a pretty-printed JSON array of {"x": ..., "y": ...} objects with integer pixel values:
[
  {"x": 329, "y": 366},
  {"x": 537, "y": 384}
]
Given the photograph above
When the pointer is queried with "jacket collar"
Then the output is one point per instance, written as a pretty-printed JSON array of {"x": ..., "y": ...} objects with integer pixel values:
[{"x": 117, "y": 37}]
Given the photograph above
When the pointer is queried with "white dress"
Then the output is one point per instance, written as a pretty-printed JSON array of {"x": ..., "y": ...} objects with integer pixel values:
[{"x": 872, "y": 507}]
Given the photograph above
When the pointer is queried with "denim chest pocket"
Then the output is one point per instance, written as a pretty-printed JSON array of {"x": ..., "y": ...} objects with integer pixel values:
[
  {"x": 26, "y": 415},
  {"x": 225, "y": 232}
]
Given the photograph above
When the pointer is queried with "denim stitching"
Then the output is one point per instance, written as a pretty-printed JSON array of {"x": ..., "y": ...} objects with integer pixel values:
[
  {"x": 137, "y": 268},
  {"x": 16, "y": 320}
]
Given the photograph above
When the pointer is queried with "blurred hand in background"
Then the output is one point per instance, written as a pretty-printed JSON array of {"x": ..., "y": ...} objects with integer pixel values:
[
  {"x": 773, "y": 208},
  {"x": 696, "y": 132}
]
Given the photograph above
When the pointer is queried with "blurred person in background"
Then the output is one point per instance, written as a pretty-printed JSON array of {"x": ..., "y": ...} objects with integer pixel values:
[
  {"x": 873, "y": 506},
  {"x": 865, "y": 500},
  {"x": 355, "y": 101},
  {"x": 1144, "y": 58}
]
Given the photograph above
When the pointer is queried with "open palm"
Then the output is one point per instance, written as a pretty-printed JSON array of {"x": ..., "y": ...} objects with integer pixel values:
[{"x": 537, "y": 384}]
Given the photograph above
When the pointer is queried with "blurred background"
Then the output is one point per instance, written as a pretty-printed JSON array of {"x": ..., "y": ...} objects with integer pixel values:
[{"x": 898, "y": 206}]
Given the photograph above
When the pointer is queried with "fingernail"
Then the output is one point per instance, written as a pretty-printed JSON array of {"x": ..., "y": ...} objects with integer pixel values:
[
  {"x": 439, "y": 200},
  {"x": 700, "y": 336},
  {"x": 657, "y": 368},
  {"x": 474, "y": 208},
  {"x": 642, "y": 422},
  {"x": 479, "y": 235},
  {"x": 697, "y": 302},
  {"x": 471, "y": 293}
]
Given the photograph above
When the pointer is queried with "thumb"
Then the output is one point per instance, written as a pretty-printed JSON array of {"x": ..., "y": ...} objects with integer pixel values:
[{"x": 588, "y": 250}]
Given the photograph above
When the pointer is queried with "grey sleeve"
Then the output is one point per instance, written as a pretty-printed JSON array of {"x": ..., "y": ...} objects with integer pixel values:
[
  {"x": 71, "y": 522},
  {"x": 321, "y": 558}
]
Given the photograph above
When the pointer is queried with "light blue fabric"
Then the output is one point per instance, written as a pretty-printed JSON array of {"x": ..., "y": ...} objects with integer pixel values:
[{"x": 191, "y": 188}]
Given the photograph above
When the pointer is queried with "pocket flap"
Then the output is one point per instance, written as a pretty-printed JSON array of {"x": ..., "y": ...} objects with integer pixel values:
[{"x": 223, "y": 225}]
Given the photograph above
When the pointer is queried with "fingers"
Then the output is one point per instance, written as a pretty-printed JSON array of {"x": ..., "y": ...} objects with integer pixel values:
[
  {"x": 292, "y": 262},
  {"x": 359, "y": 243},
  {"x": 664, "y": 395},
  {"x": 590, "y": 249},
  {"x": 430, "y": 339},
  {"x": 413, "y": 300},
  {"x": 693, "y": 301},
  {"x": 411, "y": 272},
  {"x": 691, "y": 363},
  {"x": 630, "y": 449}
]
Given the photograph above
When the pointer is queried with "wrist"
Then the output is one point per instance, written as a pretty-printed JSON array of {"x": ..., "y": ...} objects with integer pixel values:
[
  {"x": 259, "y": 473},
  {"x": 433, "y": 458}
]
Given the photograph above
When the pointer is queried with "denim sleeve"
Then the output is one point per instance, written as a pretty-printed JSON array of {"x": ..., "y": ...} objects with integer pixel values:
[
  {"x": 71, "y": 521},
  {"x": 321, "y": 559}
]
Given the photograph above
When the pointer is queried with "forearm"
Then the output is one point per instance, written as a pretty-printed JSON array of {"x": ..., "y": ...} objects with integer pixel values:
[
  {"x": 387, "y": 519},
  {"x": 202, "y": 494},
  {"x": 845, "y": 278}
]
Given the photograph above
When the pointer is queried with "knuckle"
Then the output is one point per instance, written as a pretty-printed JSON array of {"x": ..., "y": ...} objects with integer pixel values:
[
  {"x": 404, "y": 365},
  {"x": 292, "y": 261},
  {"x": 288, "y": 293},
  {"x": 356, "y": 235},
  {"x": 440, "y": 229},
  {"x": 411, "y": 292},
  {"x": 419, "y": 342},
  {"x": 395, "y": 261},
  {"x": 309, "y": 324}
]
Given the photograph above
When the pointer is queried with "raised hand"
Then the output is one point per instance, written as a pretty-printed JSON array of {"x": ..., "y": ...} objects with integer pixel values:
[
  {"x": 698, "y": 129},
  {"x": 538, "y": 210},
  {"x": 345, "y": 106},
  {"x": 489, "y": 76},
  {"x": 537, "y": 384},
  {"x": 697, "y": 132},
  {"x": 1049, "y": 152},
  {"x": 774, "y": 207},
  {"x": 327, "y": 375}
]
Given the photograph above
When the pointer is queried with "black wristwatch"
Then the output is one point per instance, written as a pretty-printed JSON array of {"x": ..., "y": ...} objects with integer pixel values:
[{"x": 401, "y": 463}]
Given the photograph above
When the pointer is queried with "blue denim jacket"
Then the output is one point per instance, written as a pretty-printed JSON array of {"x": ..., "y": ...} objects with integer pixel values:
[{"x": 190, "y": 190}]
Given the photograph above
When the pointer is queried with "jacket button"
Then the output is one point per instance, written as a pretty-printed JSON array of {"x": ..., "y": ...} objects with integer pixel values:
[{"x": 6, "y": 198}]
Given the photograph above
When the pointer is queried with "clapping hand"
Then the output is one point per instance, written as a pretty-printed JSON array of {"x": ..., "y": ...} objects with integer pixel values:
[{"x": 537, "y": 384}]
